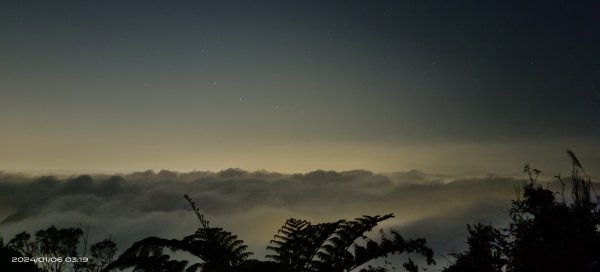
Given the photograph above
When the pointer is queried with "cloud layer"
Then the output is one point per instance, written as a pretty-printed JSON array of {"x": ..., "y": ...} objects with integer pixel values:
[{"x": 253, "y": 205}]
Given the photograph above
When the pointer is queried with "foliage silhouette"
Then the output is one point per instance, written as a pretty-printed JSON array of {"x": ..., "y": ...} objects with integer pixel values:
[
  {"x": 485, "y": 253},
  {"x": 6, "y": 259},
  {"x": 545, "y": 234},
  {"x": 218, "y": 250},
  {"x": 302, "y": 246},
  {"x": 298, "y": 246},
  {"x": 102, "y": 253},
  {"x": 60, "y": 244}
]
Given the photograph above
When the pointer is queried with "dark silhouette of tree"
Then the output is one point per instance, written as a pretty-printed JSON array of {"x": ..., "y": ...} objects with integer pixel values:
[
  {"x": 298, "y": 246},
  {"x": 545, "y": 234},
  {"x": 218, "y": 250},
  {"x": 485, "y": 253},
  {"x": 302, "y": 246},
  {"x": 53, "y": 242},
  {"x": 102, "y": 254},
  {"x": 147, "y": 255},
  {"x": 550, "y": 235},
  {"x": 6, "y": 259},
  {"x": 59, "y": 244}
]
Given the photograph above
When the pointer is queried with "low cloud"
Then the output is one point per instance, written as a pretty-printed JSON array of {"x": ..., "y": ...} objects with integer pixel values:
[{"x": 253, "y": 205}]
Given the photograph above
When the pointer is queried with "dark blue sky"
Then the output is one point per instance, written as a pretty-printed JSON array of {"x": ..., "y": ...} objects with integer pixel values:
[{"x": 297, "y": 85}]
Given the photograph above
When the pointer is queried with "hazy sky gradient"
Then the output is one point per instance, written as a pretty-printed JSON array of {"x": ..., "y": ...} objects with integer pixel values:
[{"x": 448, "y": 86}]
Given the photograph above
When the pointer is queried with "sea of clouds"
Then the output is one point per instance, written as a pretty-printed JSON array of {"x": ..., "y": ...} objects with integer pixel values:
[{"x": 254, "y": 205}]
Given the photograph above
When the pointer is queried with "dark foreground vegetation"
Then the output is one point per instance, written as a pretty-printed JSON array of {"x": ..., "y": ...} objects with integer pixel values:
[{"x": 549, "y": 231}]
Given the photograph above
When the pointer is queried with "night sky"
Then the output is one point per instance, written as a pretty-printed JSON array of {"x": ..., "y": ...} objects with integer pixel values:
[
  {"x": 266, "y": 110},
  {"x": 294, "y": 86}
]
